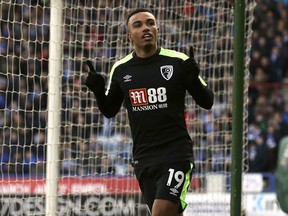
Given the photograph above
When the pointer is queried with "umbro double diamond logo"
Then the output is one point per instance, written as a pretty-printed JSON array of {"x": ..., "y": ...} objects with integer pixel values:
[{"x": 127, "y": 78}]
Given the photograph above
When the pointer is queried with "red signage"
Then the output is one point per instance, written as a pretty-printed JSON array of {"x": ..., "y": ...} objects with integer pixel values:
[{"x": 70, "y": 185}]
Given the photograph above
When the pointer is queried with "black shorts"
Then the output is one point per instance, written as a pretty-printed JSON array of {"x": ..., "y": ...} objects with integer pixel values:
[{"x": 166, "y": 181}]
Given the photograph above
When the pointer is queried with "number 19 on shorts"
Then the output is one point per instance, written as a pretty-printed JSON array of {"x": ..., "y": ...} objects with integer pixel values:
[{"x": 178, "y": 176}]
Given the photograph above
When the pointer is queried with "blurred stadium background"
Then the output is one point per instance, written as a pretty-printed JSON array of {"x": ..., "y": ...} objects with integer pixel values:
[{"x": 94, "y": 172}]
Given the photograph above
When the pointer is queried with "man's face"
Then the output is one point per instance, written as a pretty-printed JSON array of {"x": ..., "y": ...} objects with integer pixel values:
[{"x": 143, "y": 30}]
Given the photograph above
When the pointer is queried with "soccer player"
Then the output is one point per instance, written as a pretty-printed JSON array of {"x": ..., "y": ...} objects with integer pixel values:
[{"x": 152, "y": 82}]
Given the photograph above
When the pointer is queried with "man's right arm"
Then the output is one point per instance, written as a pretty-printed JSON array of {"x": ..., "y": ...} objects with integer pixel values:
[{"x": 109, "y": 104}]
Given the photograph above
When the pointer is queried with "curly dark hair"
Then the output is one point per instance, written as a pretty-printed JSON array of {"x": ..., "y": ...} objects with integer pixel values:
[{"x": 138, "y": 10}]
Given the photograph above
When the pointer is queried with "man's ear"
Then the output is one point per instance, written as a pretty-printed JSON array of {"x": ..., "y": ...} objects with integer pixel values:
[{"x": 129, "y": 37}]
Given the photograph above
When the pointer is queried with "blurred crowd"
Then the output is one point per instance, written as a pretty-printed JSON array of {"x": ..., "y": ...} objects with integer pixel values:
[
  {"x": 268, "y": 101},
  {"x": 91, "y": 144}
]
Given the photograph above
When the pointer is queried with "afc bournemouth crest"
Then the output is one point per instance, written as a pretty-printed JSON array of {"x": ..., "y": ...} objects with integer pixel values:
[{"x": 166, "y": 71}]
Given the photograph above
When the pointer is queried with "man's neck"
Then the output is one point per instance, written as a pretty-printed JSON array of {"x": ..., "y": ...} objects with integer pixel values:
[{"x": 145, "y": 53}]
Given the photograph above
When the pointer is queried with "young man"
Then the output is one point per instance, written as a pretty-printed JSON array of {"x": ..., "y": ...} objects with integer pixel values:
[{"x": 152, "y": 82}]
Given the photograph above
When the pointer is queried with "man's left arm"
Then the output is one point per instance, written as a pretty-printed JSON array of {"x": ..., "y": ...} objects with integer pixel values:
[
  {"x": 195, "y": 85},
  {"x": 200, "y": 92}
]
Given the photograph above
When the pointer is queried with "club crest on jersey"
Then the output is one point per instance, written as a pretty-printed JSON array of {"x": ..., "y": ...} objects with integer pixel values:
[{"x": 166, "y": 71}]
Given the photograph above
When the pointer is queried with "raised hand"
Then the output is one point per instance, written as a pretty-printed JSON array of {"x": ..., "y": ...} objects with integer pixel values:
[
  {"x": 94, "y": 81},
  {"x": 190, "y": 68}
]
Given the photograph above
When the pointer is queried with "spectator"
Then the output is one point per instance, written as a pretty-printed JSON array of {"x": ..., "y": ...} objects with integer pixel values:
[
  {"x": 15, "y": 166},
  {"x": 122, "y": 164},
  {"x": 84, "y": 159},
  {"x": 106, "y": 168},
  {"x": 29, "y": 162},
  {"x": 98, "y": 158},
  {"x": 4, "y": 159},
  {"x": 69, "y": 165},
  {"x": 258, "y": 155}
]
